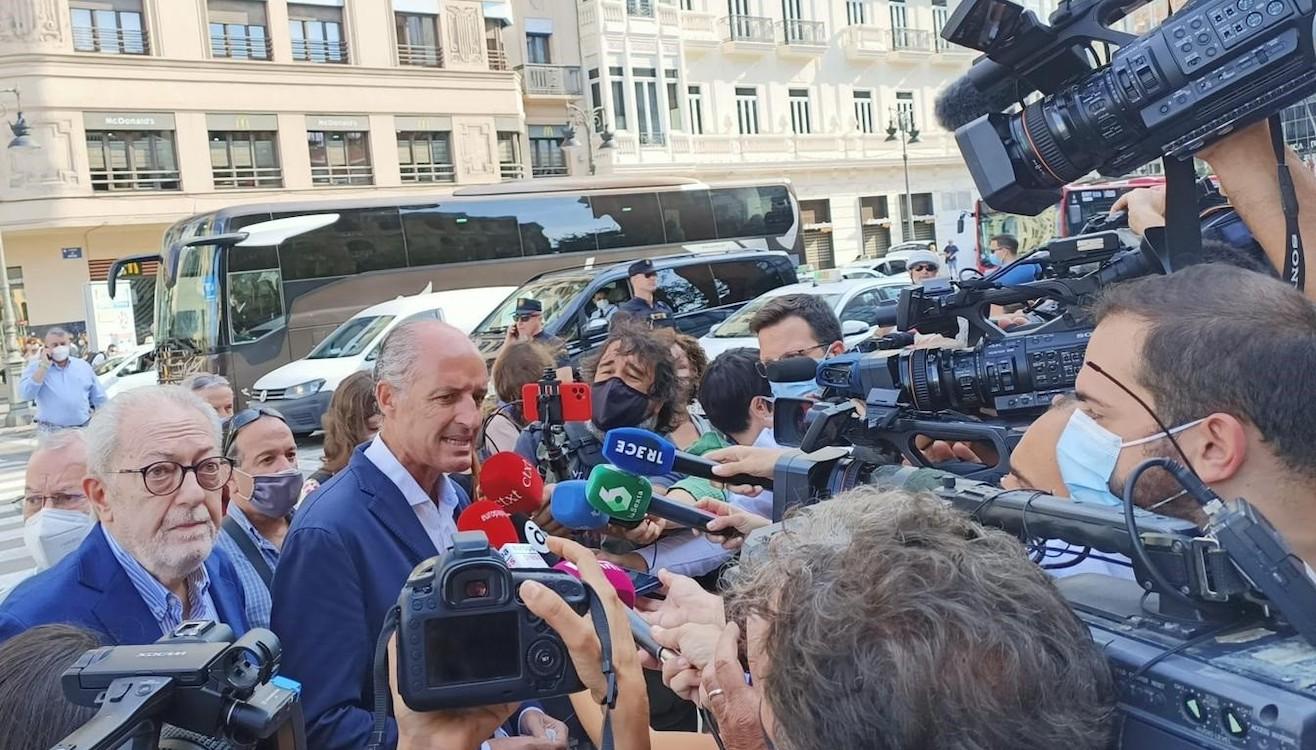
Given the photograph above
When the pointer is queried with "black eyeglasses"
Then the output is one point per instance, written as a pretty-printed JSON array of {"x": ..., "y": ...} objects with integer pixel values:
[
  {"x": 165, "y": 477},
  {"x": 651, "y": 275},
  {"x": 235, "y": 423},
  {"x": 523, "y": 317},
  {"x": 762, "y": 367},
  {"x": 922, "y": 267}
]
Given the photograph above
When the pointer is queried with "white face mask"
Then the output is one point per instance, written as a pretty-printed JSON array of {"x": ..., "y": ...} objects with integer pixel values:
[
  {"x": 52, "y": 534},
  {"x": 60, "y": 353}
]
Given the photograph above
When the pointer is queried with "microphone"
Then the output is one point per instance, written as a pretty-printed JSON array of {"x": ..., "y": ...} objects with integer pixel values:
[
  {"x": 486, "y": 516},
  {"x": 627, "y": 499},
  {"x": 644, "y": 453},
  {"x": 571, "y": 508},
  {"x": 622, "y": 583},
  {"x": 967, "y": 98},
  {"x": 792, "y": 370},
  {"x": 512, "y": 482}
]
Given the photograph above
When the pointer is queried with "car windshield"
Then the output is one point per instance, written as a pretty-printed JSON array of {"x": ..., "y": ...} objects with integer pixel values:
[
  {"x": 108, "y": 365},
  {"x": 737, "y": 326},
  {"x": 553, "y": 292},
  {"x": 351, "y": 338}
]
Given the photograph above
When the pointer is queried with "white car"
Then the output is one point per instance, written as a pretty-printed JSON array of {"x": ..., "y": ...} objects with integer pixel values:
[
  {"x": 128, "y": 371},
  {"x": 857, "y": 303},
  {"x": 301, "y": 389}
]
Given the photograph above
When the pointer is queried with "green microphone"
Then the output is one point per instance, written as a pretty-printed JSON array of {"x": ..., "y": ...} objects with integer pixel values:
[{"x": 622, "y": 497}]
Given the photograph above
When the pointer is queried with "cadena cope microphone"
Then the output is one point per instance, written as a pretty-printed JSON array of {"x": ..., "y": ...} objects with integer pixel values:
[
  {"x": 627, "y": 499},
  {"x": 511, "y": 482},
  {"x": 645, "y": 453}
]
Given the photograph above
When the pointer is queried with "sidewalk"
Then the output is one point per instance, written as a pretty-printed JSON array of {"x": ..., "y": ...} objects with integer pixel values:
[{"x": 8, "y": 433}]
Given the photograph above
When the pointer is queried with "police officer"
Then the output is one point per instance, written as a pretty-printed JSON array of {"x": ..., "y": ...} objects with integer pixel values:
[
  {"x": 529, "y": 326},
  {"x": 642, "y": 306}
]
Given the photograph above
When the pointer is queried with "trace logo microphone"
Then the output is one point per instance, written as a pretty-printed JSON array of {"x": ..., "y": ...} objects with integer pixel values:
[
  {"x": 486, "y": 516},
  {"x": 627, "y": 499},
  {"x": 645, "y": 453},
  {"x": 512, "y": 482},
  {"x": 571, "y": 508}
]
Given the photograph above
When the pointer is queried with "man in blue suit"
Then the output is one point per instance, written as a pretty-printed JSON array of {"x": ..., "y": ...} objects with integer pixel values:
[
  {"x": 154, "y": 477},
  {"x": 355, "y": 540}
]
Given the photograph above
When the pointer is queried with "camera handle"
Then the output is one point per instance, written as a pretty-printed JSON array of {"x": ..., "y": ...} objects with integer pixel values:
[{"x": 601, "y": 629}]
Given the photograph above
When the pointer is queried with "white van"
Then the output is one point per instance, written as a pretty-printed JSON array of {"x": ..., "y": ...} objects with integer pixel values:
[{"x": 301, "y": 389}]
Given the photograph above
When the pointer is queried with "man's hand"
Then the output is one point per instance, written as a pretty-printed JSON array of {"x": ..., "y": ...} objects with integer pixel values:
[
  {"x": 740, "y": 459},
  {"x": 648, "y": 532},
  {"x": 685, "y": 602},
  {"x": 539, "y": 725},
  {"x": 723, "y": 691},
  {"x": 694, "y": 641},
  {"x": 442, "y": 730},
  {"x": 729, "y": 517},
  {"x": 1145, "y": 206},
  {"x": 543, "y": 517}
]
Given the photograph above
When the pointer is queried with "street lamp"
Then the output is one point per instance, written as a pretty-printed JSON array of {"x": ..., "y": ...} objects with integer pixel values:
[
  {"x": 18, "y": 409},
  {"x": 900, "y": 126},
  {"x": 587, "y": 120}
]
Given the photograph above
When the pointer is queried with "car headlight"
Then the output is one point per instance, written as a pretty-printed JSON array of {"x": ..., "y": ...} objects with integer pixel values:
[{"x": 308, "y": 388}]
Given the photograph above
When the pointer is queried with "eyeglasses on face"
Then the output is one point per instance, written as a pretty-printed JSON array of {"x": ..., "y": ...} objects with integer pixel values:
[
  {"x": 165, "y": 477},
  {"x": 762, "y": 367},
  {"x": 523, "y": 317},
  {"x": 922, "y": 267},
  {"x": 57, "y": 500}
]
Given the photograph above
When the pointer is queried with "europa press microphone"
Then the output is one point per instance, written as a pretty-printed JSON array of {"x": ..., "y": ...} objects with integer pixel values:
[
  {"x": 645, "y": 453},
  {"x": 627, "y": 499}
]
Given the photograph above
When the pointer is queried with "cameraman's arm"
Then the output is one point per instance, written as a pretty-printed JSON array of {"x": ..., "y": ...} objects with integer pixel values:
[{"x": 1245, "y": 164}]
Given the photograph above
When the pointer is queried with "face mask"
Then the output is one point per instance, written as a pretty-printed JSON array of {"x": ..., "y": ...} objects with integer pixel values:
[
  {"x": 1087, "y": 454},
  {"x": 603, "y": 305},
  {"x": 52, "y": 534},
  {"x": 798, "y": 389},
  {"x": 616, "y": 404},
  {"x": 60, "y": 353},
  {"x": 274, "y": 495}
]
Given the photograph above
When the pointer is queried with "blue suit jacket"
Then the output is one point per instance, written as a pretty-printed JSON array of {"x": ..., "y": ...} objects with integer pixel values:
[
  {"x": 90, "y": 589},
  {"x": 351, "y": 547}
]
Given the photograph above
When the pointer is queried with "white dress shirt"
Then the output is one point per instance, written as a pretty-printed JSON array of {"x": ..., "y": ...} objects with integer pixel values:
[{"x": 435, "y": 513}]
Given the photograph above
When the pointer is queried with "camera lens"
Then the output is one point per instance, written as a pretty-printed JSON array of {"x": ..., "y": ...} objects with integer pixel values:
[
  {"x": 545, "y": 658},
  {"x": 478, "y": 589}
]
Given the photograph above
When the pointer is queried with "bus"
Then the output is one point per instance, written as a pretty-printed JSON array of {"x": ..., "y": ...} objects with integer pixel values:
[{"x": 245, "y": 289}]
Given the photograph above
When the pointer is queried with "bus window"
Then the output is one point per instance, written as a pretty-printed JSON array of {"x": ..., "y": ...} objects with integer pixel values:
[
  {"x": 368, "y": 239},
  {"x": 255, "y": 304},
  {"x": 461, "y": 231},
  {"x": 750, "y": 211},
  {"x": 687, "y": 216},
  {"x": 631, "y": 220},
  {"x": 556, "y": 225}
]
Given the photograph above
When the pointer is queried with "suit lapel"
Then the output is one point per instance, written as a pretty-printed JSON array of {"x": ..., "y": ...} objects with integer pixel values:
[
  {"x": 390, "y": 507},
  {"x": 224, "y": 588},
  {"x": 117, "y": 606}
]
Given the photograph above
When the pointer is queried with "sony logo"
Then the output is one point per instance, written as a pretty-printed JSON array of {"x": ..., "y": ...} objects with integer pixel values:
[{"x": 159, "y": 654}]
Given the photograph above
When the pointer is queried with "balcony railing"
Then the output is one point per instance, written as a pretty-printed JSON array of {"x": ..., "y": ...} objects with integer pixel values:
[
  {"x": 795, "y": 31},
  {"x": 917, "y": 40},
  {"x": 748, "y": 29},
  {"x": 497, "y": 55},
  {"x": 550, "y": 80},
  {"x": 239, "y": 47},
  {"x": 422, "y": 55},
  {"x": 555, "y": 170},
  {"x": 428, "y": 173},
  {"x": 653, "y": 139},
  {"x": 236, "y": 178},
  {"x": 643, "y": 8},
  {"x": 311, "y": 50},
  {"x": 141, "y": 179},
  {"x": 113, "y": 41},
  {"x": 360, "y": 174},
  {"x": 510, "y": 170}
]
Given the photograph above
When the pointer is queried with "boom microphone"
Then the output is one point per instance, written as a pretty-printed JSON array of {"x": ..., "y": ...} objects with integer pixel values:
[
  {"x": 963, "y": 101},
  {"x": 486, "y": 516},
  {"x": 643, "y": 452},
  {"x": 512, "y": 482},
  {"x": 792, "y": 370},
  {"x": 627, "y": 499}
]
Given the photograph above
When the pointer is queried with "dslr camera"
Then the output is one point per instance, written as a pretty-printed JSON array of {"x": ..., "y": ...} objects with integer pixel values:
[{"x": 466, "y": 639}]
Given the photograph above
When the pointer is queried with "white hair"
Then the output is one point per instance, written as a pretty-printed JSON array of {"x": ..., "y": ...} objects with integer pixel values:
[
  {"x": 61, "y": 440},
  {"x": 57, "y": 331},
  {"x": 103, "y": 433},
  {"x": 204, "y": 381},
  {"x": 399, "y": 352}
]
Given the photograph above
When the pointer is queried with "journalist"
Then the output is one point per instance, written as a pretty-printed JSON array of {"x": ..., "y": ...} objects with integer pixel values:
[
  {"x": 56, "y": 513},
  {"x": 65, "y": 387},
  {"x": 34, "y": 714},
  {"x": 154, "y": 478},
  {"x": 515, "y": 366},
  {"x": 796, "y": 325},
  {"x": 354, "y": 542},
  {"x": 266, "y": 484},
  {"x": 214, "y": 390}
]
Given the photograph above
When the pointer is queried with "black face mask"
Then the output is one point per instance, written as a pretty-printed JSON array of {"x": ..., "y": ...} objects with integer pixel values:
[{"x": 616, "y": 404}]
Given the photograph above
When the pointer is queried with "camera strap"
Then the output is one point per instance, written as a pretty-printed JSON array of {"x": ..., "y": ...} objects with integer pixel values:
[{"x": 1295, "y": 265}]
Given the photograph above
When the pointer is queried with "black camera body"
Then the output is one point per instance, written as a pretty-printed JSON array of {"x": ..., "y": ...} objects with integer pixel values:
[{"x": 466, "y": 639}]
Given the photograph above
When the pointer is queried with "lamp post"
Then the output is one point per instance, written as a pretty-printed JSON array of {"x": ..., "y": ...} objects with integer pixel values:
[
  {"x": 18, "y": 409},
  {"x": 900, "y": 126},
  {"x": 587, "y": 120}
]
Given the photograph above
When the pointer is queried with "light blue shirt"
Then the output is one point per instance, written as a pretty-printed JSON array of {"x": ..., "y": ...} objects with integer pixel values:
[
  {"x": 254, "y": 590},
  {"x": 66, "y": 396},
  {"x": 435, "y": 513},
  {"x": 165, "y": 607}
]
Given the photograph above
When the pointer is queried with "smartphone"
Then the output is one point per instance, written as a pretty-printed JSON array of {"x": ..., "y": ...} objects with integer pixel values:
[
  {"x": 574, "y": 397},
  {"x": 645, "y": 584}
]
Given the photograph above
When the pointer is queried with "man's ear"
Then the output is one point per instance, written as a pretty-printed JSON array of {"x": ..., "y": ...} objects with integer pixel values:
[
  {"x": 97, "y": 495},
  {"x": 836, "y": 349},
  {"x": 1217, "y": 447}
]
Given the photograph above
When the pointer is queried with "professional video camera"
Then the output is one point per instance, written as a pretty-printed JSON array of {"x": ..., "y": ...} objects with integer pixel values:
[
  {"x": 197, "y": 679},
  {"x": 466, "y": 639},
  {"x": 1210, "y": 638}
]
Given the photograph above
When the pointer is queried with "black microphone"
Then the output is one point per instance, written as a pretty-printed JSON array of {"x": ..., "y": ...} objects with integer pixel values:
[
  {"x": 792, "y": 370},
  {"x": 644, "y": 638},
  {"x": 966, "y": 99}
]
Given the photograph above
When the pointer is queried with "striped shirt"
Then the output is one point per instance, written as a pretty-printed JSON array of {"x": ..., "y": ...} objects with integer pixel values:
[
  {"x": 254, "y": 589},
  {"x": 165, "y": 607}
]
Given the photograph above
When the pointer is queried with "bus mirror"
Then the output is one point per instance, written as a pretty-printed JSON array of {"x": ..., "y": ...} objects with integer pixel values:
[
  {"x": 959, "y": 225},
  {"x": 129, "y": 263}
]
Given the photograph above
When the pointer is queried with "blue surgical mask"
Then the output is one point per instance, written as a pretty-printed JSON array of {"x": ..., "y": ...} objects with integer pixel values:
[
  {"x": 797, "y": 389},
  {"x": 1087, "y": 454}
]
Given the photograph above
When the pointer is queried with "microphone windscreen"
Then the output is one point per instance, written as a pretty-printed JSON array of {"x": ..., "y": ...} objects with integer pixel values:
[
  {"x": 962, "y": 102},
  {"x": 617, "y": 576},
  {"x": 512, "y": 482},
  {"x": 638, "y": 451},
  {"x": 792, "y": 370},
  {"x": 571, "y": 508},
  {"x": 486, "y": 516}
]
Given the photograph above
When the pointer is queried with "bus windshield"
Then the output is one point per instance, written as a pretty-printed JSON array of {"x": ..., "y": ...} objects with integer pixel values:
[
  {"x": 553, "y": 292},
  {"x": 351, "y": 338},
  {"x": 187, "y": 310}
]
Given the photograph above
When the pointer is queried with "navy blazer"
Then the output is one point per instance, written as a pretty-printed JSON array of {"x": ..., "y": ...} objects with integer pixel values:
[
  {"x": 352, "y": 545},
  {"x": 90, "y": 589}
]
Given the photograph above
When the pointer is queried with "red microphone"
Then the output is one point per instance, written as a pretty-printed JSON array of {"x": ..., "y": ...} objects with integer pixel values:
[
  {"x": 615, "y": 575},
  {"x": 486, "y": 516},
  {"x": 511, "y": 482}
]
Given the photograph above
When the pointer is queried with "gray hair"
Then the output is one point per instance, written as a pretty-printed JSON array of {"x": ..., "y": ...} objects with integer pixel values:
[
  {"x": 102, "y": 434},
  {"x": 204, "y": 381},
  {"x": 897, "y": 622},
  {"x": 61, "y": 440},
  {"x": 399, "y": 352},
  {"x": 57, "y": 331}
]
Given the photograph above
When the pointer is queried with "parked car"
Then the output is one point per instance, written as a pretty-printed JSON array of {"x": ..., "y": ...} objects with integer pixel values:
[
  {"x": 301, "y": 389},
  {"x": 857, "y": 303},
  {"x": 128, "y": 371},
  {"x": 703, "y": 289}
]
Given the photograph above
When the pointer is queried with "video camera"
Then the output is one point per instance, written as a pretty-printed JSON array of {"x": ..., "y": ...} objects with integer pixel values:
[
  {"x": 466, "y": 639},
  {"x": 198, "y": 679}
]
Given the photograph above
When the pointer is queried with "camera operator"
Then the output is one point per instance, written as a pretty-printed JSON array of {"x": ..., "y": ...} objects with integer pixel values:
[
  {"x": 796, "y": 325},
  {"x": 34, "y": 715}
]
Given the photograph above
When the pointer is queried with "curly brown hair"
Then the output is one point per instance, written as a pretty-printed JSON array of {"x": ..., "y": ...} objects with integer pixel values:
[
  {"x": 346, "y": 424},
  {"x": 656, "y": 351}
]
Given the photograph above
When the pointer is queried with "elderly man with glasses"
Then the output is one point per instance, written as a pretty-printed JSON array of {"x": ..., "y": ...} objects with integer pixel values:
[
  {"x": 154, "y": 477},
  {"x": 56, "y": 514}
]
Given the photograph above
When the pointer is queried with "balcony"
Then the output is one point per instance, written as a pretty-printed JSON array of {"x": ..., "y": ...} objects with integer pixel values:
[
  {"x": 251, "y": 44},
  {"x": 640, "y": 8},
  {"x": 865, "y": 43},
  {"x": 700, "y": 30},
  {"x": 554, "y": 170},
  {"x": 312, "y": 50},
  {"x": 111, "y": 41},
  {"x": 747, "y": 34},
  {"x": 497, "y": 55},
  {"x": 950, "y": 54},
  {"x": 343, "y": 174},
  {"x": 803, "y": 38},
  {"x": 421, "y": 55},
  {"x": 238, "y": 178},
  {"x": 137, "y": 180},
  {"x": 550, "y": 80},
  {"x": 510, "y": 170},
  {"x": 907, "y": 39},
  {"x": 433, "y": 172}
]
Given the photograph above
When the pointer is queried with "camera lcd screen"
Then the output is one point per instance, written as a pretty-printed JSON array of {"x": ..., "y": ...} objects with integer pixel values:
[{"x": 472, "y": 648}]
